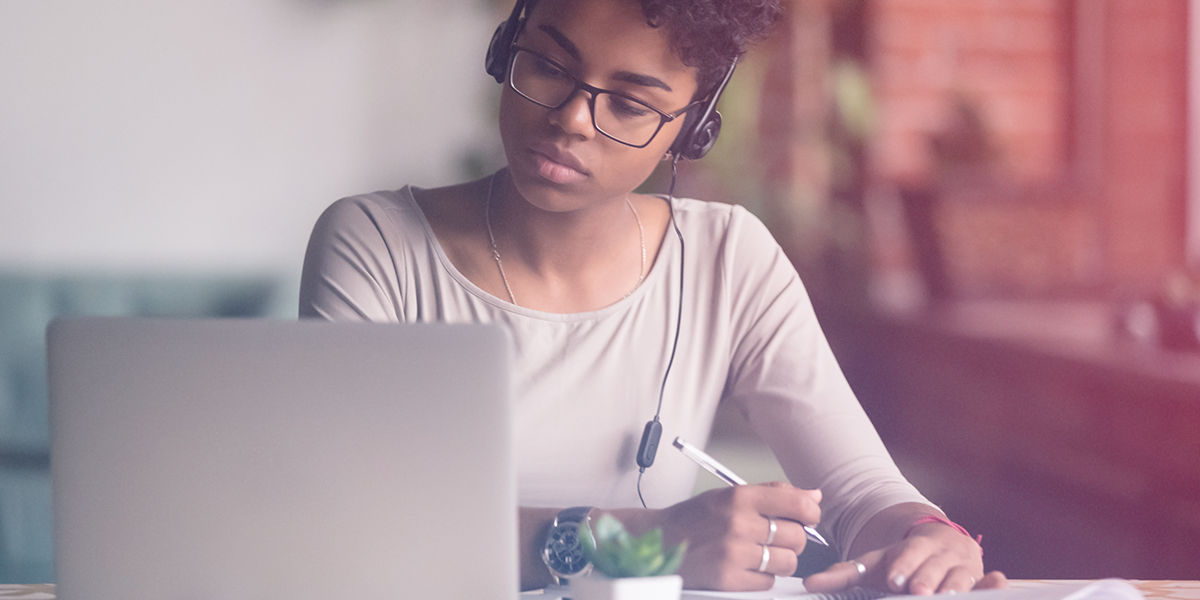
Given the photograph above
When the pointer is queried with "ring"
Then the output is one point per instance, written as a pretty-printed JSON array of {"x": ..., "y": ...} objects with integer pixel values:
[
  {"x": 766, "y": 558},
  {"x": 861, "y": 568},
  {"x": 771, "y": 531}
]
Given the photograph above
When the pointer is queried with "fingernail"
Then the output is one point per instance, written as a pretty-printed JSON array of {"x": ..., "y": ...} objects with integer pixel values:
[{"x": 898, "y": 582}]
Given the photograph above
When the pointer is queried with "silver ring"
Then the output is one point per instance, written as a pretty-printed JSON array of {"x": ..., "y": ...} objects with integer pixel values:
[
  {"x": 766, "y": 558},
  {"x": 861, "y": 568},
  {"x": 771, "y": 531}
]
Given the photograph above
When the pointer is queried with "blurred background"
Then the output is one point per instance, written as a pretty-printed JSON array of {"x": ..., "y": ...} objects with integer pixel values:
[{"x": 995, "y": 205}]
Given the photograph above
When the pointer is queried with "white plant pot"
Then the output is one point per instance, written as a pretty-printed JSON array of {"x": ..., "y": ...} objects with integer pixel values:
[{"x": 599, "y": 587}]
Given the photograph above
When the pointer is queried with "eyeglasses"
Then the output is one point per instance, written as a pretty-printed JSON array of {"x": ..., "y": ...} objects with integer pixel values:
[{"x": 618, "y": 116}]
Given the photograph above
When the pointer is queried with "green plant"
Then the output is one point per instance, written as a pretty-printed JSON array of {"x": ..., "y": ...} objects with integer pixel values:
[{"x": 616, "y": 553}]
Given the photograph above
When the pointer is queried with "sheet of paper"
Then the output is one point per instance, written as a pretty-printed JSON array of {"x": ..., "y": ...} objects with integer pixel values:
[
  {"x": 785, "y": 588},
  {"x": 792, "y": 588}
]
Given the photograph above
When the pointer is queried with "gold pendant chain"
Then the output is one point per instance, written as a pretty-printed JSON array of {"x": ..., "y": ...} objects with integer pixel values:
[{"x": 487, "y": 217}]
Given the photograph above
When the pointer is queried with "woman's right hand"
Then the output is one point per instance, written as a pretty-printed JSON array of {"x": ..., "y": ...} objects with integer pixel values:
[{"x": 726, "y": 530}]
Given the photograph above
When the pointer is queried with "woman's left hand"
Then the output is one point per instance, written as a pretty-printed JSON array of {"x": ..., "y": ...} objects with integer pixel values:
[{"x": 934, "y": 558}]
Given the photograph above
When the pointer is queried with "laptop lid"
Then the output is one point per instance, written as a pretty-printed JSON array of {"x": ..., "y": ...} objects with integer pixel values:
[{"x": 281, "y": 459}]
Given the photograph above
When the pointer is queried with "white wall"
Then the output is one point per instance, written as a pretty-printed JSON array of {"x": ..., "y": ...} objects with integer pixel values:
[{"x": 164, "y": 134}]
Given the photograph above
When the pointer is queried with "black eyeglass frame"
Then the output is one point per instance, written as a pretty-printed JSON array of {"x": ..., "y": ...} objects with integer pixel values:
[{"x": 592, "y": 91}]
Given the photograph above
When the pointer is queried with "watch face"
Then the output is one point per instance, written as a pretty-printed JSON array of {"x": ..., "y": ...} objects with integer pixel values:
[{"x": 563, "y": 553}]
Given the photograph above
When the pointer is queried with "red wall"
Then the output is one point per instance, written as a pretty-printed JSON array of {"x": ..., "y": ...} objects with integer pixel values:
[{"x": 1082, "y": 105}]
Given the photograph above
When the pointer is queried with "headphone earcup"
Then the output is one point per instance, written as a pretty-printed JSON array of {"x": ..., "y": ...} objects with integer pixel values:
[
  {"x": 496, "y": 62},
  {"x": 701, "y": 139}
]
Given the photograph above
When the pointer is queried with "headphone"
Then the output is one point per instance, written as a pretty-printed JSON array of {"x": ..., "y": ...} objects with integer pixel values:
[{"x": 700, "y": 129}]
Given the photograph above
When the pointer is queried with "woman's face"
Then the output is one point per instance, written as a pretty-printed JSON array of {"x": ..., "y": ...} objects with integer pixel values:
[{"x": 558, "y": 160}]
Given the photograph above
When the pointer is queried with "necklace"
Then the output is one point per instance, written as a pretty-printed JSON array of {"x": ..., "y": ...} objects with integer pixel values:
[{"x": 487, "y": 217}]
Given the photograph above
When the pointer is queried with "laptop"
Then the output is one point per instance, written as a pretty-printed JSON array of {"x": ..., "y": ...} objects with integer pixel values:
[{"x": 255, "y": 459}]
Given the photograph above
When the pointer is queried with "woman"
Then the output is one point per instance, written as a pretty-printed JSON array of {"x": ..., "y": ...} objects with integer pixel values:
[{"x": 608, "y": 317}]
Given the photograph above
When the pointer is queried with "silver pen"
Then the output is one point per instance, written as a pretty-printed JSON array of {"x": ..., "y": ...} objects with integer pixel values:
[{"x": 729, "y": 477}]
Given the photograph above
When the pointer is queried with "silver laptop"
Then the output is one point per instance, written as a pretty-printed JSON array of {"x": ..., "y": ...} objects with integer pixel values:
[{"x": 227, "y": 459}]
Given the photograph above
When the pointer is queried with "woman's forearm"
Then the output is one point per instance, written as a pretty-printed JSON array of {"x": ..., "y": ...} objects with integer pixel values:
[
  {"x": 725, "y": 529},
  {"x": 901, "y": 551},
  {"x": 888, "y": 526}
]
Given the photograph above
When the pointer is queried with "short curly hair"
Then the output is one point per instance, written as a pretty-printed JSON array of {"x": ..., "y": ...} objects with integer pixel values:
[{"x": 708, "y": 35}]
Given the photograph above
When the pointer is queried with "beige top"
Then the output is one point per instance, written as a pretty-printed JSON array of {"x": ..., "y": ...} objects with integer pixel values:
[{"x": 587, "y": 383}]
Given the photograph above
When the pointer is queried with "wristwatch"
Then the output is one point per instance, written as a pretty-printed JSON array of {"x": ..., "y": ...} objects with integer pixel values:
[{"x": 562, "y": 551}]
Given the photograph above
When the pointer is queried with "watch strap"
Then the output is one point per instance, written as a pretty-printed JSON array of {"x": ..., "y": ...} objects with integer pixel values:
[{"x": 575, "y": 514}]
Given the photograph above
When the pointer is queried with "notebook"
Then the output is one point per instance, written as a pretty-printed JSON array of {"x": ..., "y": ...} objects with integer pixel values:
[
  {"x": 790, "y": 588},
  {"x": 231, "y": 459}
]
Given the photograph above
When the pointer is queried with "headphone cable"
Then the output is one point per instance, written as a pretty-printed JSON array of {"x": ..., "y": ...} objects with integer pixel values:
[{"x": 678, "y": 314}]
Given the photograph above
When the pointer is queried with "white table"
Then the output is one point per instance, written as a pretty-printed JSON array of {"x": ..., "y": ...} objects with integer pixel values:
[{"x": 1152, "y": 589}]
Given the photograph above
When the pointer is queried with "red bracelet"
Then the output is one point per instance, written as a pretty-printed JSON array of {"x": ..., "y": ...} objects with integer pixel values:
[{"x": 944, "y": 521}]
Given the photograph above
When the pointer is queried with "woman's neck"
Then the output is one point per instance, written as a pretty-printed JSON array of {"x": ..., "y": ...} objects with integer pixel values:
[{"x": 571, "y": 261}]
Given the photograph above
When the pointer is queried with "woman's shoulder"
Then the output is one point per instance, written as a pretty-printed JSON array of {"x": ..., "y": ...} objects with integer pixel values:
[
  {"x": 383, "y": 200},
  {"x": 713, "y": 217},
  {"x": 727, "y": 234},
  {"x": 384, "y": 217},
  {"x": 442, "y": 204},
  {"x": 374, "y": 210}
]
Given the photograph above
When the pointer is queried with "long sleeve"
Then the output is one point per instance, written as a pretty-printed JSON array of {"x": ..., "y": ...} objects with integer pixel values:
[{"x": 786, "y": 382}]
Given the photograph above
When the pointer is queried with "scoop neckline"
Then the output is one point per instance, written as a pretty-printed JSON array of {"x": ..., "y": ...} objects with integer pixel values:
[{"x": 667, "y": 250}]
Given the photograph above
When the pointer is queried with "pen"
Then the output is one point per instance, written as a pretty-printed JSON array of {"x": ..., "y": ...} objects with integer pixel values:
[{"x": 729, "y": 477}]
